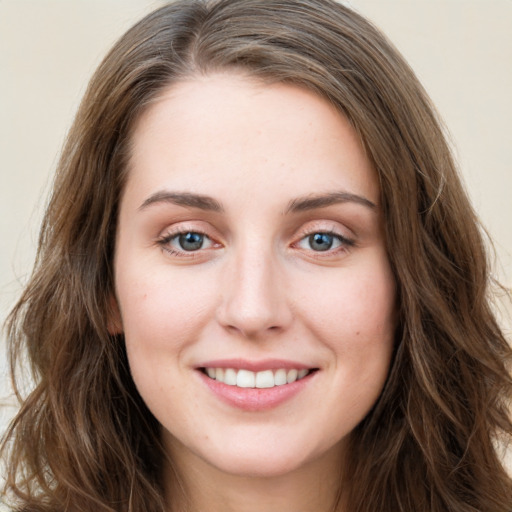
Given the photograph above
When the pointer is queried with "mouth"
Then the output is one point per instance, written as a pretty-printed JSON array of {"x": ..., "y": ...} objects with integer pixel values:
[
  {"x": 243, "y": 378},
  {"x": 256, "y": 385}
]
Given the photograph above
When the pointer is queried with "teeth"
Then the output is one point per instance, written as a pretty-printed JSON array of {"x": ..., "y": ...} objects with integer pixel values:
[
  {"x": 302, "y": 373},
  {"x": 229, "y": 377},
  {"x": 291, "y": 376},
  {"x": 280, "y": 377},
  {"x": 263, "y": 379},
  {"x": 245, "y": 379}
]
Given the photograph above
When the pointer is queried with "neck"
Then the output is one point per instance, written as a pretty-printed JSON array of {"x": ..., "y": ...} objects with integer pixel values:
[{"x": 194, "y": 485}]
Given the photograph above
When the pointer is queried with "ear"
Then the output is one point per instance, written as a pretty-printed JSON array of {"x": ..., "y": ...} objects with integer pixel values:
[{"x": 114, "y": 320}]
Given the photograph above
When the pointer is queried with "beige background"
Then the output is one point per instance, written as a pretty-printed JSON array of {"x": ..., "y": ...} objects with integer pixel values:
[{"x": 461, "y": 50}]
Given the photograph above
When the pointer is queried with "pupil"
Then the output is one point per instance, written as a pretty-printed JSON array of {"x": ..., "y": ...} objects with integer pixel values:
[
  {"x": 320, "y": 241},
  {"x": 191, "y": 241}
]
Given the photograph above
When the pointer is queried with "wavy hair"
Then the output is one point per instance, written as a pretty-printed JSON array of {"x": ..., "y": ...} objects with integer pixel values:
[{"x": 84, "y": 440}]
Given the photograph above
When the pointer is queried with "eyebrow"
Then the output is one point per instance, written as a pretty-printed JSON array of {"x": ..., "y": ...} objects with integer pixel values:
[
  {"x": 186, "y": 199},
  {"x": 313, "y": 202},
  {"x": 300, "y": 204}
]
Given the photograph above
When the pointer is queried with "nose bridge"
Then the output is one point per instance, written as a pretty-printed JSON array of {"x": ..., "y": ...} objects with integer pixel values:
[{"x": 254, "y": 298}]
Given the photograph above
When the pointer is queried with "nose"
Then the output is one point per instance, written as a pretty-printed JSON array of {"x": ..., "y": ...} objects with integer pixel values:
[{"x": 254, "y": 300}]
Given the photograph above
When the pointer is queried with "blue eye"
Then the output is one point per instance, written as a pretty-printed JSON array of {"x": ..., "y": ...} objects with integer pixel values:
[
  {"x": 190, "y": 241},
  {"x": 322, "y": 242}
]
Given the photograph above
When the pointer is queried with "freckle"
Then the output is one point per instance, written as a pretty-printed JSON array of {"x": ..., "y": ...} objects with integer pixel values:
[{"x": 358, "y": 333}]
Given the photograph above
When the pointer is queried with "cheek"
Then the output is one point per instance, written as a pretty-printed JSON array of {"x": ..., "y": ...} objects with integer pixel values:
[
  {"x": 161, "y": 309},
  {"x": 162, "y": 314},
  {"x": 360, "y": 331},
  {"x": 354, "y": 306}
]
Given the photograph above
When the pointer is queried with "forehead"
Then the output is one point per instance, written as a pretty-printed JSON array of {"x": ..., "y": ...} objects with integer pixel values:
[{"x": 212, "y": 131}]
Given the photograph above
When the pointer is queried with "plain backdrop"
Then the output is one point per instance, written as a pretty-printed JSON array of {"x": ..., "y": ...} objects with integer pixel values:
[{"x": 460, "y": 49}]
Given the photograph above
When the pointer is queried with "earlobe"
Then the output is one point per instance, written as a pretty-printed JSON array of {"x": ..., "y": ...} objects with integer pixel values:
[{"x": 114, "y": 321}]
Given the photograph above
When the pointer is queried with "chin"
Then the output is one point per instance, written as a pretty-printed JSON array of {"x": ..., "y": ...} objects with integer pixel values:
[
  {"x": 272, "y": 460},
  {"x": 261, "y": 466}
]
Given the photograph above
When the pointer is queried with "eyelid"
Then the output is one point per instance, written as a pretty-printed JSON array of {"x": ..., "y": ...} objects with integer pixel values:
[
  {"x": 188, "y": 226},
  {"x": 329, "y": 228},
  {"x": 325, "y": 226},
  {"x": 170, "y": 233},
  {"x": 332, "y": 228}
]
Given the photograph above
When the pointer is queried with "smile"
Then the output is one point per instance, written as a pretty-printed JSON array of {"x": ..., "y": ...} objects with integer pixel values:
[{"x": 263, "y": 379}]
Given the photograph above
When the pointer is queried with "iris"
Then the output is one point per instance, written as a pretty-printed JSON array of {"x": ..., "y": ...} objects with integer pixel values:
[
  {"x": 320, "y": 241},
  {"x": 191, "y": 241}
]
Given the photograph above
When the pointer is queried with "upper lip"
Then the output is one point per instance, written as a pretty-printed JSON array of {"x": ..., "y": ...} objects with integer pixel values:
[{"x": 255, "y": 366}]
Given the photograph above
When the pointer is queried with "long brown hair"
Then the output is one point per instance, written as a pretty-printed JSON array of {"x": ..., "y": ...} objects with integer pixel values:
[{"x": 83, "y": 438}]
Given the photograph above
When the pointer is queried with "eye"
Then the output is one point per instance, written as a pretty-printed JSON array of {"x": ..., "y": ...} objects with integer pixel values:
[
  {"x": 186, "y": 241},
  {"x": 191, "y": 241},
  {"x": 323, "y": 241}
]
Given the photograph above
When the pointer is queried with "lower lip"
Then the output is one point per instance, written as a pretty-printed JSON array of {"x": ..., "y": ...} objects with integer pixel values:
[{"x": 256, "y": 399}]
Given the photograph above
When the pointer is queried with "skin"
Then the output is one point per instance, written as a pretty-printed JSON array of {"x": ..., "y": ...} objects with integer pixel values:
[{"x": 256, "y": 289}]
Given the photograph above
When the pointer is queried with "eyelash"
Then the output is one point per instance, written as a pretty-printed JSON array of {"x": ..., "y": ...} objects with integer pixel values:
[
  {"x": 165, "y": 241},
  {"x": 344, "y": 243}
]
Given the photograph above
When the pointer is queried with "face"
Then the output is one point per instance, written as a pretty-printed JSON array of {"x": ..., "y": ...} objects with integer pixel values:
[{"x": 253, "y": 285}]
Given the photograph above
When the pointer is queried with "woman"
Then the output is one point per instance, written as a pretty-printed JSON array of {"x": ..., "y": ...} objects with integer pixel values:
[{"x": 260, "y": 285}]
